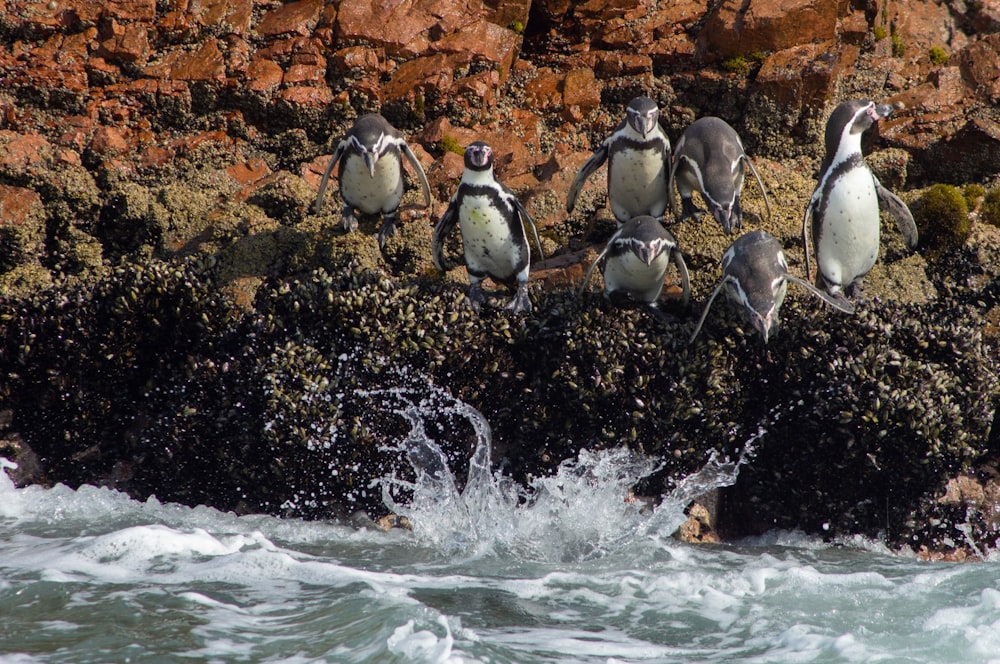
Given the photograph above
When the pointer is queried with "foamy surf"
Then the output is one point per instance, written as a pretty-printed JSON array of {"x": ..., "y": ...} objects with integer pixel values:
[{"x": 563, "y": 570}]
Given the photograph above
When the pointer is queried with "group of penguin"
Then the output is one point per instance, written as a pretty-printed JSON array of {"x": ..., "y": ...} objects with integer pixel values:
[{"x": 842, "y": 214}]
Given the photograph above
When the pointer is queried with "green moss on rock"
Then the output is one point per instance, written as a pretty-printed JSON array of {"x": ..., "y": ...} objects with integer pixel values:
[{"x": 942, "y": 215}]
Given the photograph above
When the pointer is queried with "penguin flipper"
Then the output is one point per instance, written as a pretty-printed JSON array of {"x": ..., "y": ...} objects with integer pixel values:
[
  {"x": 760, "y": 183},
  {"x": 525, "y": 217},
  {"x": 425, "y": 186},
  {"x": 805, "y": 233},
  {"x": 444, "y": 226},
  {"x": 337, "y": 154},
  {"x": 704, "y": 313},
  {"x": 895, "y": 206},
  {"x": 841, "y": 303},
  {"x": 678, "y": 259},
  {"x": 670, "y": 178},
  {"x": 600, "y": 257},
  {"x": 599, "y": 157}
]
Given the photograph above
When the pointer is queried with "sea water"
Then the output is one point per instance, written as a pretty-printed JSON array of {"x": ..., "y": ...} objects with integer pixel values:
[{"x": 564, "y": 570}]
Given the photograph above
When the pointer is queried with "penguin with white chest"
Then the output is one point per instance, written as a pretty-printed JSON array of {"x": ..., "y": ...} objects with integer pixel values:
[
  {"x": 638, "y": 156},
  {"x": 755, "y": 278},
  {"x": 844, "y": 208},
  {"x": 491, "y": 221},
  {"x": 635, "y": 263},
  {"x": 710, "y": 160},
  {"x": 371, "y": 173}
]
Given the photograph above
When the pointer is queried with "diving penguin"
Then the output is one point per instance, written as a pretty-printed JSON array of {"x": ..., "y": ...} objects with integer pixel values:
[
  {"x": 635, "y": 263},
  {"x": 371, "y": 173},
  {"x": 845, "y": 206},
  {"x": 492, "y": 221},
  {"x": 710, "y": 159},
  {"x": 638, "y": 156},
  {"x": 755, "y": 276}
]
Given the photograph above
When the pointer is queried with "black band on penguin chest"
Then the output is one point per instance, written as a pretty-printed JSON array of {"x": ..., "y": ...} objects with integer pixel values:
[
  {"x": 625, "y": 143},
  {"x": 497, "y": 198},
  {"x": 849, "y": 164}
]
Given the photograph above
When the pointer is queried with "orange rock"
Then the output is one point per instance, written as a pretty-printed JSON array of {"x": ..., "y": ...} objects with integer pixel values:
[
  {"x": 124, "y": 43},
  {"x": 204, "y": 64},
  {"x": 22, "y": 226},
  {"x": 264, "y": 75},
  {"x": 307, "y": 95},
  {"x": 428, "y": 75},
  {"x": 804, "y": 76},
  {"x": 300, "y": 74},
  {"x": 231, "y": 15},
  {"x": 356, "y": 59},
  {"x": 396, "y": 24},
  {"x": 108, "y": 141},
  {"x": 544, "y": 91},
  {"x": 581, "y": 90},
  {"x": 739, "y": 27},
  {"x": 980, "y": 67},
  {"x": 508, "y": 13},
  {"x": 294, "y": 18},
  {"x": 487, "y": 41}
]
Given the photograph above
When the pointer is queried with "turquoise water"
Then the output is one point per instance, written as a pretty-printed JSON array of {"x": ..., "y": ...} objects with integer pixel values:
[{"x": 563, "y": 571}]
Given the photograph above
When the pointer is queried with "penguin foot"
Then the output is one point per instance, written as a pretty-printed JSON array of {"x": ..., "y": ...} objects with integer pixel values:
[
  {"x": 476, "y": 297},
  {"x": 659, "y": 315},
  {"x": 349, "y": 220},
  {"x": 387, "y": 231},
  {"x": 689, "y": 209},
  {"x": 520, "y": 303}
]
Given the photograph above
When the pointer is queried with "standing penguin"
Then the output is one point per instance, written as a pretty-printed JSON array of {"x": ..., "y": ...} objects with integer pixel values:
[
  {"x": 492, "y": 221},
  {"x": 710, "y": 159},
  {"x": 638, "y": 156},
  {"x": 845, "y": 205},
  {"x": 371, "y": 173},
  {"x": 755, "y": 277},
  {"x": 636, "y": 260}
]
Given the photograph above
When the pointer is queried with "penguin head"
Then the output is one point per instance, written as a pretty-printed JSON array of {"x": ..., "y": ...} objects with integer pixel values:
[
  {"x": 755, "y": 271},
  {"x": 851, "y": 119},
  {"x": 642, "y": 115},
  {"x": 372, "y": 135},
  {"x": 722, "y": 198},
  {"x": 645, "y": 237},
  {"x": 478, "y": 157}
]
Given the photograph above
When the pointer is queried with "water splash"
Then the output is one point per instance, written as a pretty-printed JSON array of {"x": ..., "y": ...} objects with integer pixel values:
[{"x": 578, "y": 513}]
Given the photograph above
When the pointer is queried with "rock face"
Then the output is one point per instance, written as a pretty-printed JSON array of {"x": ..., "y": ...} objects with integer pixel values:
[{"x": 176, "y": 320}]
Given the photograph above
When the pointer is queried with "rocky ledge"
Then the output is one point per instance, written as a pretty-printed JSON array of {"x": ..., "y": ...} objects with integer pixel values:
[{"x": 176, "y": 321}]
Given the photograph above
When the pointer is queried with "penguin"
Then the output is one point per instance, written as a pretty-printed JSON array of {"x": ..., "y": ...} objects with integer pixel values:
[
  {"x": 491, "y": 220},
  {"x": 755, "y": 276},
  {"x": 844, "y": 208},
  {"x": 711, "y": 160},
  {"x": 371, "y": 173},
  {"x": 635, "y": 262},
  {"x": 638, "y": 156}
]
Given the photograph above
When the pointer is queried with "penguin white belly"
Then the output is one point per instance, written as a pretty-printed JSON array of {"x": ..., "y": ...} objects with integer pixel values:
[
  {"x": 487, "y": 240},
  {"x": 627, "y": 273},
  {"x": 637, "y": 184},
  {"x": 848, "y": 243},
  {"x": 371, "y": 195}
]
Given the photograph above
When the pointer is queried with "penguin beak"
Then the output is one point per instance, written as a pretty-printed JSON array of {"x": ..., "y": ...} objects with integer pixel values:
[
  {"x": 724, "y": 215},
  {"x": 371, "y": 158},
  {"x": 645, "y": 253},
  {"x": 766, "y": 324},
  {"x": 879, "y": 111}
]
